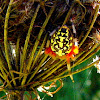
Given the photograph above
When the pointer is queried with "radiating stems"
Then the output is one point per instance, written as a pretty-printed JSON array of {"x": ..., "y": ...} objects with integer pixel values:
[
  {"x": 28, "y": 37},
  {"x": 75, "y": 72},
  {"x": 5, "y": 38},
  {"x": 80, "y": 54},
  {"x": 37, "y": 42},
  {"x": 94, "y": 50},
  {"x": 3, "y": 61},
  {"x": 2, "y": 56},
  {"x": 53, "y": 70},
  {"x": 3, "y": 73},
  {"x": 46, "y": 63},
  {"x": 36, "y": 59},
  {"x": 49, "y": 69},
  {"x": 82, "y": 69},
  {"x": 2, "y": 76},
  {"x": 38, "y": 67},
  {"x": 39, "y": 37},
  {"x": 37, "y": 56},
  {"x": 89, "y": 56},
  {"x": 53, "y": 78},
  {"x": 85, "y": 55},
  {"x": 91, "y": 26}
]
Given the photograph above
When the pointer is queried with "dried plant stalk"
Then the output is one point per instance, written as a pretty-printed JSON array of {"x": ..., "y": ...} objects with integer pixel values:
[{"x": 26, "y": 29}]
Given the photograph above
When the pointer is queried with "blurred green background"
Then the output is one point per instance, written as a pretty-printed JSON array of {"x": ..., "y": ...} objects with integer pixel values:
[{"x": 85, "y": 87}]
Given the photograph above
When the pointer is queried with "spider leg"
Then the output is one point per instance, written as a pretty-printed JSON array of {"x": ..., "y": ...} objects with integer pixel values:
[
  {"x": 49, "y": 52},
  {"x": 74, "y": 31},
  {"x": 69, "y": 69},
  {"x": 73, "y": 27},
  {"x": 48, "y": 44},
  {"x": 54, "y": 31},
  {"x": 68, "y": 66}
]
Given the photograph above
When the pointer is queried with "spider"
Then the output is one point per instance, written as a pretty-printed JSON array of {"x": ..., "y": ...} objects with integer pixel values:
[{"x": 63, "y": 45}]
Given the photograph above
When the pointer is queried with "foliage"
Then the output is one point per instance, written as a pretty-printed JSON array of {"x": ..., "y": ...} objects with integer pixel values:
[{"x": 24, "y": 28}]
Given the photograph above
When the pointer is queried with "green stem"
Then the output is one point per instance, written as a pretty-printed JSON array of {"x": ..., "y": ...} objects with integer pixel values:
[
  {"x": 75, "y": 72},
  {"x": 37, "y": 56},
  {"x": 17, "y": 54},
  {"x": 3, "y": 73},
  {"x": 37, "y": 42},
  {"x": 5, "y": 38},
  {"x": 86, "y": 54},
  {"x": 53, "y": 70},
  {"x": 39, "y": 37},
  {"x": 82, "y": 69},
  {"x": 28, "y": 37},
  {"x": 38, "y": 67},
  {"x": 49, "y": 69}
]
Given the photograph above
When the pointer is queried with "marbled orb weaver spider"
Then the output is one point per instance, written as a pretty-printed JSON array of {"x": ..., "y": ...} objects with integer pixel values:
[{"x": 63, "y": 45}]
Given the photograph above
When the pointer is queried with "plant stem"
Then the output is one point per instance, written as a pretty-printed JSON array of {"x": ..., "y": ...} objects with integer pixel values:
[
  {"x": 28, "y": 37},
  {"x": 91, "y": 26},
  {"x": 5, "y": 38},
  {"x": 75, "y": 72},
  {"x": 37, "y": 56},
  {"x": 37, "y": 41}
]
